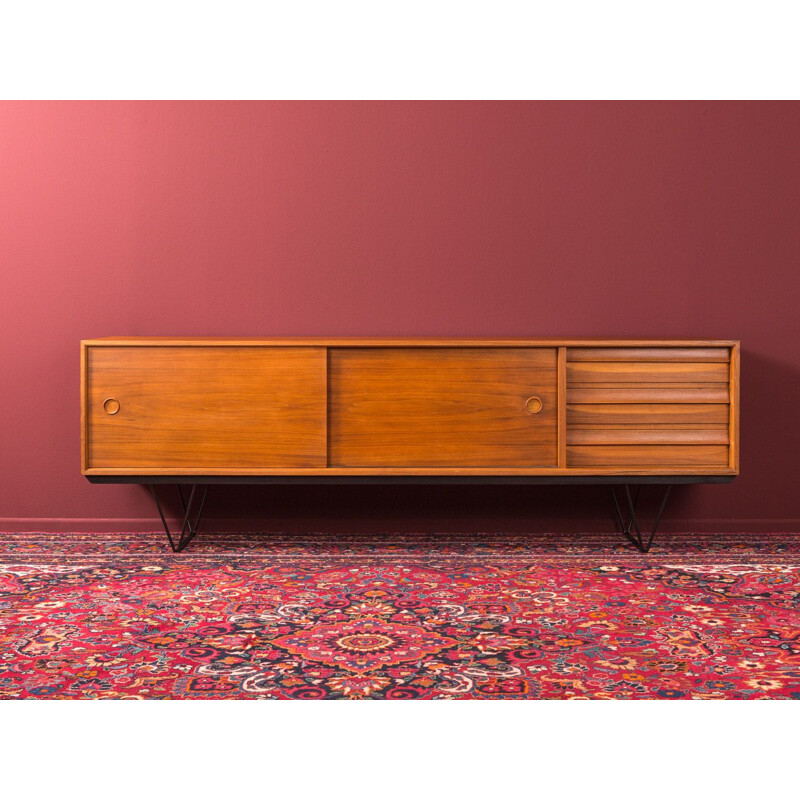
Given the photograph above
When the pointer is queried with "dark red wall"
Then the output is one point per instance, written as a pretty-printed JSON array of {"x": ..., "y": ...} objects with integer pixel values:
[{"x": 621, "y": 219}]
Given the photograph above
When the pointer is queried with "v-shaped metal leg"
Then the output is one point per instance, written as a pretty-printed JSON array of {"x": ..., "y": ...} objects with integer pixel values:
[
  {"x": 632, "y": 524},
  {"x": 191, "y": 517}
]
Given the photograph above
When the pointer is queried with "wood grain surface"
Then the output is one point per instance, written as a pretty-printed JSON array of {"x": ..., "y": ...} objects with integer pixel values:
[
  {"x": 629, "y": 353},
  {"x": 646, "y": 371},
  {"x": 651, "y": 435},
  {"x": 653, "y": 413},
  {"x": 653, "y": 456},
  {"x": 649, "y": 407},
  {"x": 733, "y": 417},
  {"x": 456, "y": 407},
  {"x": 206, "y": 407},
  {"x": 650, "y": 393}
]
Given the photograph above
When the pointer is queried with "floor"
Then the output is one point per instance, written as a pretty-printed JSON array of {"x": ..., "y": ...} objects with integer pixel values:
[{"x": 91, "y": 615}]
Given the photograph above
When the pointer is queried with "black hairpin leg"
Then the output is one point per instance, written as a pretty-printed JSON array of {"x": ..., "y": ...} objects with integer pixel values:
[
  {"x": 191, "y": 518},
  {"x": 632, "y": 524}
]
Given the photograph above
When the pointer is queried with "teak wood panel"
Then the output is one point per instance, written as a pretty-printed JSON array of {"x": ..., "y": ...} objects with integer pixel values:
[
  {"x": 591, "y": 414},
  {"x": 633, "y": 435},
  {"x": 205, "y": 408},
  {"x": 648, "y": 354},
  {"x": 733, "y": 417},
  {"x": 644, "y": 371},
  {"x": 648, "y": 456},
  {"x": 441, "y": 407},
  {"x": 648, "y": 393}
]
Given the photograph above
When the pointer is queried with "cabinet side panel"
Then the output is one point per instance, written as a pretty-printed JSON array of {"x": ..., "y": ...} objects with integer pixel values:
[
  {"x": 734, "y": 408},
  {"x": 84, "y": 409}
]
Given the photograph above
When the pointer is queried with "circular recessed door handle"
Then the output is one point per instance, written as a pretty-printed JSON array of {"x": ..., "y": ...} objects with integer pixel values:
[
  {"x": 533, "y": 405},
  {"x": 111, "y": 405}
]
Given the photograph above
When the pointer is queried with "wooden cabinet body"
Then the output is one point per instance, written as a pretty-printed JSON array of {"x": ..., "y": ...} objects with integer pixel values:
[{"x": 250, "y": 407}]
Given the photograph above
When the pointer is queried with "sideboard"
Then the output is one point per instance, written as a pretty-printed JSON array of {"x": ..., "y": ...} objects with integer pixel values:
[{"x": 199, "y": 411}]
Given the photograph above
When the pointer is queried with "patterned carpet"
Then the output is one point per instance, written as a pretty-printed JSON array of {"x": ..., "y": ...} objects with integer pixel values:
[{"x": 387, "y": 616}]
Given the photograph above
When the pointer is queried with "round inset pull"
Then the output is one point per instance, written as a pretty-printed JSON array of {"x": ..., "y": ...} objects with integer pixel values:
[
  {"x": 111, "y": 405},
  {"x": 533, "y": 405}
]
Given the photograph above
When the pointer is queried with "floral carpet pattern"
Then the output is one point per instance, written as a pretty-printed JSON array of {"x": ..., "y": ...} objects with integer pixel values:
[{"x": 89, "y": 615}]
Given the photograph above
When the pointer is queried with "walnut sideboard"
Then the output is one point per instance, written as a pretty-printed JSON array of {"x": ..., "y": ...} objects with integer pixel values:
[{"x": 199, "y": 411}]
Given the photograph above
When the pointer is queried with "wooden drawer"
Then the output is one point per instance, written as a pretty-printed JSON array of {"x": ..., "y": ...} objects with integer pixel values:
[
  {"x": 649, "y": 456},
  {"x": 648, "y": 407},
  {"x": 633, "y": 434},
  {"x": 655, "y": 414},
  {"x": 442, "y": 407},
  {"x": 648, "y": 393},
  {"x": 614, "y": 372},
  {"x": 649, "y": 354},
  {"x": 215, "y": 408}
]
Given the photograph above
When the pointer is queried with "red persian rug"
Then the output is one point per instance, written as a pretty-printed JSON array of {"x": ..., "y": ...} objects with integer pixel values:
[{"x": 387, "y": 616}]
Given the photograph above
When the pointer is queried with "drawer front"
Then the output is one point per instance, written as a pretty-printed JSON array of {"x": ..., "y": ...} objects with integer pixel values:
[
  {"x": 442, "y": 407},
  {"x": 592, "y": 415},
  {"x": 648, "y": 456},
  {"x": 712, "y": 393},
  {"x": 648, "y": 408},
  {"x": 615, "y": 372},
  {"x": 203, "y": 407},
  {"x": 686, "y": 354},
  {"x": 648, "y": 435}
]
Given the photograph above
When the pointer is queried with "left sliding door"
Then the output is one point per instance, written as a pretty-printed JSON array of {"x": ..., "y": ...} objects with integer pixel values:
[{"x": 152, "y": 409}]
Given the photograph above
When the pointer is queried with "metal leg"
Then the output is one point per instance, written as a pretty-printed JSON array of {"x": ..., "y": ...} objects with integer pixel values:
[
  {"x": 189, "y": 527},
  {"x": 632, "y": 524},
  {"x": 626, "y": 527}
]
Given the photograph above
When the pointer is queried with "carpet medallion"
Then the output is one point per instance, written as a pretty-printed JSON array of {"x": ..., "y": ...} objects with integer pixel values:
[{"x": 399, "y": 616}]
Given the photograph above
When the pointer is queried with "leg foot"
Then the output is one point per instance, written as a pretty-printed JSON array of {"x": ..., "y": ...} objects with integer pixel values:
[
  {"x": 191, "y": 518},
  {"x": 630, "y": 527}
]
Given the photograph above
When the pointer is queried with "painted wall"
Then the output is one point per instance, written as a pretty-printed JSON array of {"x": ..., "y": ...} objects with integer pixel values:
[{"x": 432, "y": 219}]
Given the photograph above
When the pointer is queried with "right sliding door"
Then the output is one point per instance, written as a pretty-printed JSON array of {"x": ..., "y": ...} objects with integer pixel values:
[{"x": 648, "y": 408}]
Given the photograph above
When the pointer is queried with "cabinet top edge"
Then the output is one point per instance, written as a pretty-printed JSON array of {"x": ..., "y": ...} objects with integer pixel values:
[{"x": 257, "y": 341}]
